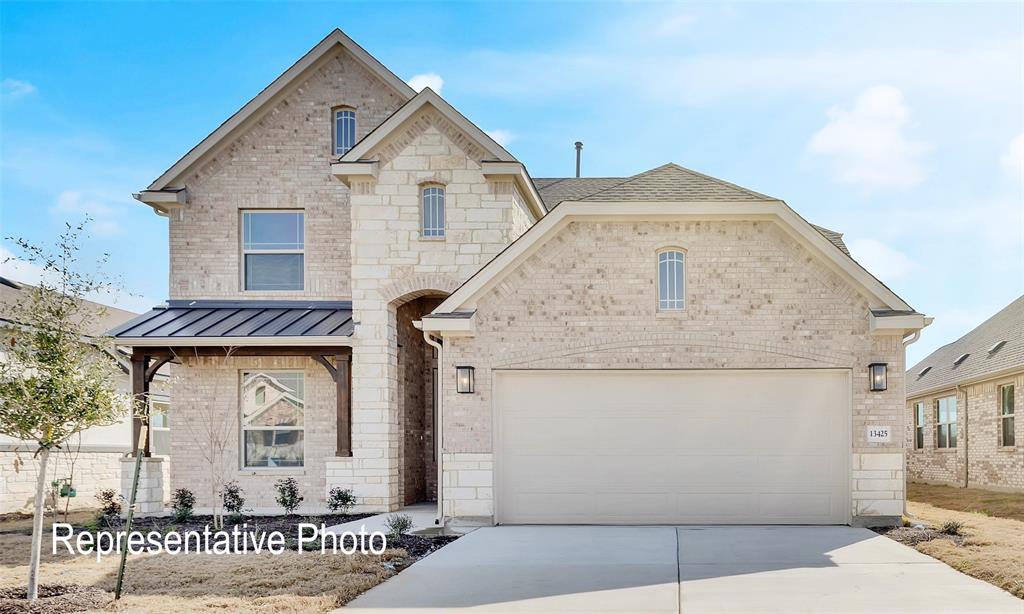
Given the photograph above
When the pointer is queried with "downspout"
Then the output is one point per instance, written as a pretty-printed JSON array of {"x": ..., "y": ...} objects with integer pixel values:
[
  {"x": 906, "y": 342},
  {"x": 437, "y": 427}
]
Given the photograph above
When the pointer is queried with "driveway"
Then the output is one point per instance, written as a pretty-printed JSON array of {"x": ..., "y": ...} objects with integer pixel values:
[{"x": 685, "y": 569}]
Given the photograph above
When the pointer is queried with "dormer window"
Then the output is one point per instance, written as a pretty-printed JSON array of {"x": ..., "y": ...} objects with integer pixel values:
[{"x": 344, "y": 130}]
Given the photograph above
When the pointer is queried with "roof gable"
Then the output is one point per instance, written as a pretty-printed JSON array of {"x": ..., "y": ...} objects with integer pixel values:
[{"x": 270, "y": 94}]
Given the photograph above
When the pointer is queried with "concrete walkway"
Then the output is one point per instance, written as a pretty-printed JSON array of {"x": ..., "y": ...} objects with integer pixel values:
[
  {"x": 686, "y": 569},
  {"x": 422, "y": 514}
]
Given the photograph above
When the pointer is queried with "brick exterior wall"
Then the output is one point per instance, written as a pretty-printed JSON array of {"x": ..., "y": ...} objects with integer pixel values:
[
  {"x": 979, "y": 460},
  {"x": 755, "y": 299},
  {"x": 281, "y": 161}
]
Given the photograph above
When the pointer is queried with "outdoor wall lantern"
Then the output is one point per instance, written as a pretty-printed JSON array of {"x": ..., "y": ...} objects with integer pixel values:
[
  {"x": 877, "y": 372},
  {"x": 464, "y": 379}
]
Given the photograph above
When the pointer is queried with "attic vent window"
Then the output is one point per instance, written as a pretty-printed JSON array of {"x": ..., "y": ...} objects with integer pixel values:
[
  {"x": 959, "y": 360},
  {"x": 924, "y": 371},
  {"x": 995, "y": 348}
]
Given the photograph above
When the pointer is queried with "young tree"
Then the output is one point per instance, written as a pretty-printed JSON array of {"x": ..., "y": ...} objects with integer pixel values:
[{"x": 55, "y": 379}]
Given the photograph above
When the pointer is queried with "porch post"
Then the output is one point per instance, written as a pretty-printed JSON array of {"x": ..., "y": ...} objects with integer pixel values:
[
  {"x": 343, "y": 383},
  {"x": 140, "y": 399}
]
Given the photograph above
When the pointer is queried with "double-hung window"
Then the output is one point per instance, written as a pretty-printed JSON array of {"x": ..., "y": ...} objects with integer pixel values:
[
  {"x": 945, "y": 422},
  {"x": 159, "y": 427},
  {"x": 433, "y": 211},
  {"x": 671, "y": 280},
  {"x": 273, "y": 424},
  {"x": 1006, "y": 412},
  {"x": 344, "y": 131},
  {"x": 919, "y": 416},
  {"x": 273, "y": 244}
]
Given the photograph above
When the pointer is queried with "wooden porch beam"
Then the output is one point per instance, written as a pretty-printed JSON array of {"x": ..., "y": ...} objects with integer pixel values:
[{"x": 343, "y": 384}]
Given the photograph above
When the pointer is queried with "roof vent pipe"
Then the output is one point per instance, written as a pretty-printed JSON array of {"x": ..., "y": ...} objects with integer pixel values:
[{"x": 579, "y": 151}]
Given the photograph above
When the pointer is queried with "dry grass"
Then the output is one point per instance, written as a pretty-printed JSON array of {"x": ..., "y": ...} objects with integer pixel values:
[
  {"x": 17, "y": 522},
  {"x": 987, "y": 502},
  {"x": 992, "y": 550},
  {"x": 279, "y": 584}
]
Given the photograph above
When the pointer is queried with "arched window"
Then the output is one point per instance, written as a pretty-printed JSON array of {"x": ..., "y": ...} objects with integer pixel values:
[
  {"x": 344, "y": 130},
  {"x": 433, "y": 211},
  {"x": 671, "y": 280}
]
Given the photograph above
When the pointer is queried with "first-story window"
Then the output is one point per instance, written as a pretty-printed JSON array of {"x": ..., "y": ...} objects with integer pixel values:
[
  {"x": 1006, "y": 408},
  {"x": 273, "y": 248},
  {"x": 273, "y": 410},
  {"x": 945, "y": 422},
  {"x": 159, "y": 427},
  {"x": 344, "y": 130},
  {"x": 433, "y": 211},
  {"x": 671, "y": 281},
  {"x": 919, "y": 416}
]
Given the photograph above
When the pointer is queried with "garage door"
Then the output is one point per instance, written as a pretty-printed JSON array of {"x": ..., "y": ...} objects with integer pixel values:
[{"x": 673, "y": 447}]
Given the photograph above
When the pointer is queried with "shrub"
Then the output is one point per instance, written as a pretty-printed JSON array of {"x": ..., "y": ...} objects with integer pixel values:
[
  {"x": 341, "y": 500},
  {"x": 951, "y": 527},
  {"x": 110, "y": 506},
  {"x": 288, "y": 495},
  {"x": 182, "y": 502},
  {"x": 234, "y": 499},
  {"x": 398, "y": 524}
]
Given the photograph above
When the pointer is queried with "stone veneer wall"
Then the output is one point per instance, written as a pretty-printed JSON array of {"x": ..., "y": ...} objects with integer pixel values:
[
  {"x": 755, "y": 299},
  {"x": 93, "y": 472},
  {"x": 991, "y": 465},
  {"x": 281, "y": 161}
]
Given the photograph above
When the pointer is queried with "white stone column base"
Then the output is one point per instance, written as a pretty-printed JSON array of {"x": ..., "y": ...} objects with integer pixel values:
[{"x": 149, "y": 499}]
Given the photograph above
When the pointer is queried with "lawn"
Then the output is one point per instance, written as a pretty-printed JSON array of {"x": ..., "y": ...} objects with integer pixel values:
[
  {"x": 992, "y": 548},
  {"x": 265, "y": 583}
]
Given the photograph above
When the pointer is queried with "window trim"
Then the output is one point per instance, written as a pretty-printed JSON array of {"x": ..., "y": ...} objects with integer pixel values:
[
  {"x": 1005, "y": 417},
  {"x": 920, "y": 411},
  {"x": 242, "y": 428},
  {"x": 940, "y": 425},
  {"x": 244, "y": 252},
  {"x": 163, "y": 400},
  {"x": 432, "y": 185},
  {"x": 657, "y": 280},
  {"x": 335, "y": 111}
]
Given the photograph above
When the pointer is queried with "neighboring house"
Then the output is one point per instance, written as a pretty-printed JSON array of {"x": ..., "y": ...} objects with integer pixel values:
[
  {"x": 663, "y": 347},
  {"x": 91, "y": 460},
  {"x": 962, "y": 407}
]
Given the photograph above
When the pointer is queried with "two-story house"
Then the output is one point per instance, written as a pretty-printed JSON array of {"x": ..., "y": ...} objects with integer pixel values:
[{"x": 431, "y": 323}]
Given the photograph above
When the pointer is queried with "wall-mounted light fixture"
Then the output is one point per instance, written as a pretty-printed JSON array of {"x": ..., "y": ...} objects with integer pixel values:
[
  {"x": 877, "y": 373},
  {"x": 464, "y": 379}
]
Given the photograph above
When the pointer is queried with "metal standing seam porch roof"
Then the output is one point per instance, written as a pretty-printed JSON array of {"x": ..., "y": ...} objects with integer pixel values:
[{"x": 209, "y": 320}]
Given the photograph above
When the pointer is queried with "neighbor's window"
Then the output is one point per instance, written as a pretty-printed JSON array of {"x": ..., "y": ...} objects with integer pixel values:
[
  {"x": 919, "y": 415},
  {"x": 273, "y": 408},
  {"x": 344, "y": 131},
  {"x": 272, "y": 249},
  {"x": 1006, "y": 415},
  {"x": 945, "y": 422},
  {"x": 433, "y": 211},
  {"x": 159, "y": 428},
  {"x": 671, "y": 281}
]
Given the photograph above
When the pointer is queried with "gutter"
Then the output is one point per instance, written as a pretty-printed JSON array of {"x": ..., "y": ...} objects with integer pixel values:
[{"x": 438, "y": 430}]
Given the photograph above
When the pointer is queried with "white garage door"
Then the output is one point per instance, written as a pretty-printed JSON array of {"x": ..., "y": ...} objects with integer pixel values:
[{"x": 673, "y": 447}]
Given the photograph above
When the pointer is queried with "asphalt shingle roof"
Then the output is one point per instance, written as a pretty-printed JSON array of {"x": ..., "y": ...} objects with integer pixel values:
[
  {"x": 669, "y": 182},
  {"x": 1007, "y": 325}
]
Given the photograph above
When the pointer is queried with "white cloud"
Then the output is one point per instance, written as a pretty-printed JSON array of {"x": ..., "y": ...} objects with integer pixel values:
[
  {"x": 886, "y": 263},
  {"x": 75, "y": 203},
  {"x": 867, "y": 143},
  {"x": 503, "y": 137},
  {"x": 13, "y": 88},
  {"x": 1013, "y": 160},
  {"x": 430, "y": 79}
]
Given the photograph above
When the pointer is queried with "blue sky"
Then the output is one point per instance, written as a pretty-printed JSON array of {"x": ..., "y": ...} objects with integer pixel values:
[{"x": 900, "y": 125}]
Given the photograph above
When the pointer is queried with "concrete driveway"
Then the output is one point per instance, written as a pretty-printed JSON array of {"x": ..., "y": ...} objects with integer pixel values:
[{"x": 685, "y": 569}]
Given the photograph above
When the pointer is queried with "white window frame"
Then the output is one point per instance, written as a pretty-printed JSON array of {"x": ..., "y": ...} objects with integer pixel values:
[
  {"x": 341, "y": 130},
  {"x": 671, "y": 298},
  {"x": 246, "y": 251},
  {"x": 242, "y": 428},
  {"x": 433, "y": 216},
  {"x": 162, "y": 400},
  {"x": 920, "y": 416},
  {"x": 1007, "y": 420},
  {"x": 947, "y": 426}
]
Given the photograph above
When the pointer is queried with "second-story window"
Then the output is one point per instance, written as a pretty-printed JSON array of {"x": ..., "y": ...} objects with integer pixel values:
[
  {"x": 273, "y": 244},
  {"x": 344, "y": 131},
  {"x": 671, "y": 280},
  {"x": 433, "y": 211}
]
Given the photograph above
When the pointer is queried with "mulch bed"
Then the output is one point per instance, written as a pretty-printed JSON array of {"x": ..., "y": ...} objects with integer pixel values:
[
  {"x": 53, "y": 599},
  {"x": 419, "y": 547},
  {"x": 284, "y": 524},
  {"x": 910, "y": 536}
]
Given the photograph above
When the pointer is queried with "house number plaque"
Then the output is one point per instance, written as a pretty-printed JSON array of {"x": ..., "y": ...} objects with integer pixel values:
[{"x": 879, "y": 434}]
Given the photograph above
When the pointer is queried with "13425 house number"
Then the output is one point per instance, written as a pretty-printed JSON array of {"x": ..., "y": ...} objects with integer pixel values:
[{"x": 879, "y": 434}]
